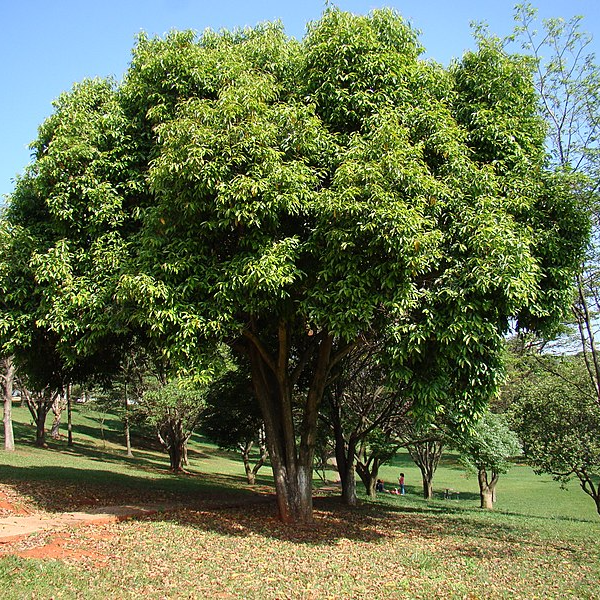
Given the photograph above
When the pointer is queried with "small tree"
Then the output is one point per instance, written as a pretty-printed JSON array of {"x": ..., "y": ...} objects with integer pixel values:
[
  {"x": 232, "y": 418},
  {"x": 376, "y": 449},
  {"x": 359, "y": 402},
  {"x": 426, "y": 453},
  {"x": 558, "y": 419},
  {"x": 486, "y": 449},
  {"x": 174, "y": 410},
  {"x": 425, "y": 439}
]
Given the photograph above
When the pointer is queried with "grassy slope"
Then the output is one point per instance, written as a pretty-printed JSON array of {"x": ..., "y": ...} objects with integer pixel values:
[{"x": 541, "y": 542}]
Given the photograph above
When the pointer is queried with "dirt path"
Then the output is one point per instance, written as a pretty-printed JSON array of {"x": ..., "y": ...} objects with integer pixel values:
[
  {"x": 17, "y": 526},
  {"x": 28, "y": 532}
]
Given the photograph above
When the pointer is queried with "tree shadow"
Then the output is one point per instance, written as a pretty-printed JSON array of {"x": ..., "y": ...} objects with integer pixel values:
[{"x": 61, "y": 489}]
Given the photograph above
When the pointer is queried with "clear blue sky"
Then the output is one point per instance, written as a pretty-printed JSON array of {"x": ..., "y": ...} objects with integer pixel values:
[{"x": 47, "y": 45}]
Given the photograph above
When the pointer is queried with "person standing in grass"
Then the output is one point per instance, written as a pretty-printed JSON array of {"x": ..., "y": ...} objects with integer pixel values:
[{"x": 401, "y": 482}]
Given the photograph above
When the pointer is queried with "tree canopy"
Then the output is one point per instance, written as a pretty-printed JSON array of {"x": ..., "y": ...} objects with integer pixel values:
[{"x": 294, "y": 198}]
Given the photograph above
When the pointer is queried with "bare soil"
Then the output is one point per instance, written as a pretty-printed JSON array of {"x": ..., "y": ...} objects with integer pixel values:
[{"x": 30, "y": 532}]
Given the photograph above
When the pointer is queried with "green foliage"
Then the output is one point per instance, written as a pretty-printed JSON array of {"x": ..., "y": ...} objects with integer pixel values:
[
  {"x": 339, "y": 186},
  {"x": 67, "y": 221},
  {"x": 232, "y": 417},
  {"x": 177, "y": 401},
  {"x": 556, "y": 413},
  {"x": 489, "y": 445}
]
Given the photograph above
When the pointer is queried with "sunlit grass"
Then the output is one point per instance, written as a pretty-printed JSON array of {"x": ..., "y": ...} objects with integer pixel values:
[{"x": 540, "y": 542}]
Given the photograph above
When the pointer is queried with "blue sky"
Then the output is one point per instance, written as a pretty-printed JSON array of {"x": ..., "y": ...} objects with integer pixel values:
[{"x": 47, "y": 45}]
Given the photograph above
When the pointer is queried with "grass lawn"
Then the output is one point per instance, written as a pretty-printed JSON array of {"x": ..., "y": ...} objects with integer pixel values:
[{"x": 540, "y": 542}]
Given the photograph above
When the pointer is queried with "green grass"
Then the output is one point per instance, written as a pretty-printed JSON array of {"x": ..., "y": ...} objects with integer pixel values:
[{"x": 540, "y": 542}]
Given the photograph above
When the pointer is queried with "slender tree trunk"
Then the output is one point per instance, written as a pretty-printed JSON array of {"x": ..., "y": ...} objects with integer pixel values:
[
  {"x": 127, "y": 437},
  {"x": 8, "y": 377},
  {"x": 344, "y": 457},
  {"x": 261, "y": 461},
  {"x": 126, "y": 425},
  {"x": 40, "y": 424},
  {"x": 348, "y": 473},
  {"x": 57, "y": 409},
  {"x": 368, "y": 476},
  {"x": 69, "y": 417},
  {"x": 245, "y": 449},
  {"x": 184, "y": 453},
  {"x": 585, "y": 322},
  {"x": 427, "y": 457}
]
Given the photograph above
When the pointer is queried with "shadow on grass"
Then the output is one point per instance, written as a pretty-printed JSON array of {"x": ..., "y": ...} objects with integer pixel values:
[
  {"x": 58, "y": 489},
  {"x": 214, "y": 503}
]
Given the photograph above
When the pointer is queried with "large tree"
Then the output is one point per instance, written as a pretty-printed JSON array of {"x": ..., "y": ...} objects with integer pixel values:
[{"x": 293, "y": 198}]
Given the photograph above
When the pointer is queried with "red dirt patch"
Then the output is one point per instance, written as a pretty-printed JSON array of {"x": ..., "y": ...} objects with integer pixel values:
[
  {"x": 11, "y": 504},
  {"x": 64, "y": 546}
]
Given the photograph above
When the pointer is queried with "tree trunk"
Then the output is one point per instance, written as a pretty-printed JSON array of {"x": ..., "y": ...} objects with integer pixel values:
[
  {"x": 127, "y": 437},
  {"x": 8, "y": 377},
  {"x": 427, "y": 457},
  {"x": 487, "y": 489},
  {"x": 245, "y": 451},
  {"x": 347, "y": 472},
  {"x": 40, "y": 425},
  {"x": 174, "y": 442},
  {"x": 251, "y": 472},
  {"x": 349, "y": 486},
  {"x": 57, "y": 409},
  {"x": 427, "y": 486},
  {"x": 344, "y": 457},
  {"x": 176, "y": 457},
  {"x": 69, "y": 417},
  {"x": 38, "y": 406},
  {"x": 368, "y": 476},
  {"x": 291, "y": 456},
  {"x": 184, "y": 453},
  {"x": 126, "y": 425}
]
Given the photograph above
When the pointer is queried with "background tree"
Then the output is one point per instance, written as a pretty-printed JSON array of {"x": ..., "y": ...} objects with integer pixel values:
[
  {"x": 7, "y": 378},
  {"x": 358, "y": 402},
  {"x": 568, "y": 81},
  {"x": 425, "y": 442},
  {"x": 555, "y": 413},
  {"x": 174, "y": 410},
  {"x": 487, "y": 449},
  {"x": 124, "y": 390},
  {"x": 291, "y": 198},
  {"x": 374, "y": 450},
  {"x": 232, "y": 418}
]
